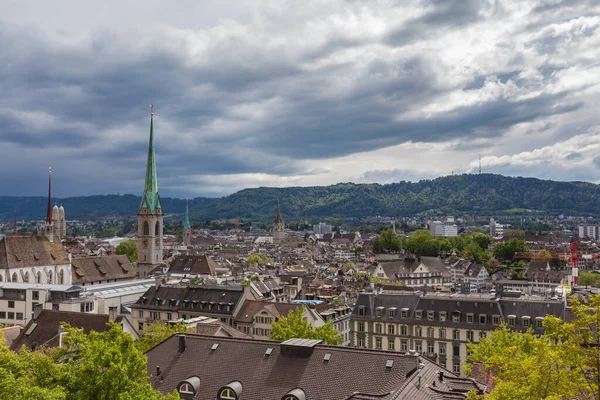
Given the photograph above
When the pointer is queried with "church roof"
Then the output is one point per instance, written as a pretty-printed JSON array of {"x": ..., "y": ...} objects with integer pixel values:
[
  {"x": 91, "y": 269},
  {"x": 150, "y": 197},
  {"x": 23, "y": 250}
]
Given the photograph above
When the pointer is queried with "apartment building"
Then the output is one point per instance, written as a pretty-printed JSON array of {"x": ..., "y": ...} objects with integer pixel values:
[{"x": 439, "y": 326}]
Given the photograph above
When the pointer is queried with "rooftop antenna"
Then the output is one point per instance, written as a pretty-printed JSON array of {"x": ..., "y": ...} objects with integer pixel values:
[{"x": 479, "y": 163}]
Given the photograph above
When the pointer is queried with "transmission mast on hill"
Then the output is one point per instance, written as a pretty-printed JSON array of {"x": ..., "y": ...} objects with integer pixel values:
[{"x": 479, "y": 163}]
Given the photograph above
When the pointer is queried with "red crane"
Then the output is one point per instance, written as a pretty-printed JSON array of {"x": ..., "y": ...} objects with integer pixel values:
[{"x": 574, "y": 263}]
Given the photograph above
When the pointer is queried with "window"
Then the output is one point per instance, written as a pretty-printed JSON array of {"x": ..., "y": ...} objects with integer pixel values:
[
  {"x": 377, "y": 328},
  {"x": 11, "y": 304},
  {"x": 391, "y": 345},
  {"x": 169, "y": 317},
  {"x": 456, "y": 317},
  {"x": 442, "y": 349},
  {"x": 403, "y": 346},
  {"x": 403, "y": 330},
  {"x": 496, "y": 319},
  {"x": 55, "y": 307},
  {"x": 11, "y": 315},
  {"x": 227, "y": 394},
  {"x": 430, "y": 348},
  {"x": 456, "y": 350},
  {"x": 512, "y": 320},
  {"x": 378, "y": 345},
  {"x": 442, "y": 333},
  {"x": 186, "y": 388},
  {"x": 430, "y": 332},
  {"x": 430, "y": 315},
  {"x": 361, "y": 342},
  {"x": 456, "y": 334},
  {"x": 35, "y": 295},
  {"x": 482, "y": 318},
  {"x": 526, "y": 322},
  {"x": 470, "y": 318},
  {"x": 418, "y": 314},
  {"x": 140, "y": 314},
  {"x": 391, "y": 329},
  {"x": 539, "y": 322},
  {"x": 2, "y": 314},
  {"x": 419, "y": 346},
  {"x": 156, "y": 228},
  {"x": 140, "y": 326},
  {"x": 404, "y": 313},
  {"x": 456, "y": 368},
  {"x": 146, "y": 228},
  {"x": 442, "y": 316},
  {"x": 361, "y": 326},
  {"x": 482, "y": 334},
  {"x": 361, "y": 310},
  {"x": 470, "y": 335},
  {"x": 418, "y": 331},
  {"x": 391, "y": 313},
  {"x": 378, "y": 311}
]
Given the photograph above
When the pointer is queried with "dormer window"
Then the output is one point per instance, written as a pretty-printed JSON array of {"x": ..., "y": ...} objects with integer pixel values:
[
  {"x": 295, "y": 394},
  {"x": 404, "y": 313},
  {"x": 361, "y": 310},
  {"x": 418, "y": 314},
  {"x": 456, "y": 316},
  {"x": 188, "y": 388},
  {"x": 470, "y": 318},
  {"x": 379, "y": 311},
  {"x": 430, "y": 315},
  {"x": 512, "y": 320},
  {"x": 392, "y": 312},
  {"x": 232, "y": 391},
  {"x": 442, "y": 316}
]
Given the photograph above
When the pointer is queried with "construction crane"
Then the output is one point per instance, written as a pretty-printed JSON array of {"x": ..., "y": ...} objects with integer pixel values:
[{"x": 573, "y": 257}]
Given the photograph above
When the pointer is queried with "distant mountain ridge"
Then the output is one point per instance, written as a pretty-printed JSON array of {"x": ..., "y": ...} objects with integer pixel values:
[{"x": 485, "y": 193}]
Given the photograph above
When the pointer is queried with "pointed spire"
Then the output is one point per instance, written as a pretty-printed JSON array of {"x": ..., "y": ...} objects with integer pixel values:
[
  {"x": 186, "y": 223},
  {"x": 150, "y": 197},
  {"x": 278, "y": 218},
  {"x": 49, "y": 211}
]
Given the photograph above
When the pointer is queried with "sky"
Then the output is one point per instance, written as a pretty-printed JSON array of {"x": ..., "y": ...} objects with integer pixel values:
[{"x": 251, "y": 93}]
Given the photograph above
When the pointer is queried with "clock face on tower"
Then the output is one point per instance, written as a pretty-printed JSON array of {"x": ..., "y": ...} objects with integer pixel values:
[{"x": 145, "y": 242}]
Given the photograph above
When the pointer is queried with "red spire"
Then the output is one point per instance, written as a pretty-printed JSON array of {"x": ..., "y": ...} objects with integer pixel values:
[{"x": 49, "y": 212}]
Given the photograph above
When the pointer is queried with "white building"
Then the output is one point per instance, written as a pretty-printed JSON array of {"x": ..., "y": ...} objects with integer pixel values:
[
  {"x": 438, "y": 228},
  {"x": 589, "y": 231},
  {"x": 322, "y": 228}
]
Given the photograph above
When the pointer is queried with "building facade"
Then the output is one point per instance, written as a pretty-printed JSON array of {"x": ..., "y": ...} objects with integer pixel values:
[
  {"x": 150, "y": 217},
  {"x": 440, "y": 326}
]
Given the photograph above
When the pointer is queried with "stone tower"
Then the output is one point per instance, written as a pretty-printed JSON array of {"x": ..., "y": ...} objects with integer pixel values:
[
  {"x": 150, "y": 217},
  {"x": 49, "y": 223},
  {"x": 187, "y": 227},
  {"x": 278, "y": 228},
  {"x": 62, "y": 222}
]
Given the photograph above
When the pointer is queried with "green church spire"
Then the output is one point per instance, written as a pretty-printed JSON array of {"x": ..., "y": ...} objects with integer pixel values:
[
  {"x": 186, "y": 223},
  {"x": 150, "y": 198}
]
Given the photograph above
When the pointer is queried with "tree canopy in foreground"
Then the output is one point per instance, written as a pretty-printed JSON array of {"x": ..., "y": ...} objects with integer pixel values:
[
  {"x": 562, "y": 363},
  {"x": 94, "y": 366}
]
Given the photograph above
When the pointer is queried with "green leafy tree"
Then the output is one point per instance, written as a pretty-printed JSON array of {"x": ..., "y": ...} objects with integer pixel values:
[
  {"x": 129, "y": 248},
  {"x": 506, "y": 251},
  {"x": 294, "y": 326},
  {"x": 387, "y": 241},
  {"x": 156, "y": 332},
  {"x": 259, "y": 259},
  {"x": 482, "y": 240},
  {"x": 562, "y": 363},
  {"x": 476, "y": 253}
]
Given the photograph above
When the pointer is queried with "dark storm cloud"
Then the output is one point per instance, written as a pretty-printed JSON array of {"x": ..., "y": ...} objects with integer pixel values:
[{"x": 239, "y": 100}]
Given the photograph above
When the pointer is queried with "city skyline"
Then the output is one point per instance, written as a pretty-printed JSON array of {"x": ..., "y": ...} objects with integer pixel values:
[{"x": 296, "y": 94}]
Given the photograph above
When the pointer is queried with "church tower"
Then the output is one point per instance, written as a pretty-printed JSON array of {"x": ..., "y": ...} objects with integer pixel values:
[
  {"x": 278, "y": 228},
  {"x": 150, "y": 216},
  {"x": 49, "y": 223},
  {"x": 187, "y": 227}
]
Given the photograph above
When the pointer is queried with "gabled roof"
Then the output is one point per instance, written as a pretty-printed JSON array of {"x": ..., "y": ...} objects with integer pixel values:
[
  {"x": 30, "y": 250},
  {"x": 101, "y": 268},
  {"x": 194, "y": 265},
  {"x": 347, "y": 373},
  {"x": 43, "y": 331},
  {"x": 252, "y": 307}
]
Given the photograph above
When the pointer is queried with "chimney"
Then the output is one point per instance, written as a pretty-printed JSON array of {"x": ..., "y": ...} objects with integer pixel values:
[
  {"x": 440, "y": 375},
  {"x": 412, "y": 362},
  {"x": 37, "y": 309},
  {"x": 158, "y": 370},
  {"x": 112, "y": 313},
  {"x": 181, "y": 343}
]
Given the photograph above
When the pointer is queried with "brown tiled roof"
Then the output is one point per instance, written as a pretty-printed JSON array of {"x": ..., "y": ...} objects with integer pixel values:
[
  {"x": 251, "y": 307},
  {"x": 45, "y": 333},
  {"x": 91, "y": 269},
  {"x": 212, "y": 328},
  {"x": 30, "y": 250},
  {"x": 194, "y": 265},
  {"x": 349, "y": 374}
]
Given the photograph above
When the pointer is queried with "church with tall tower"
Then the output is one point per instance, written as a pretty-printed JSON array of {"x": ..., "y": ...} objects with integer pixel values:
[
  {"x": 187, "y": 227},
  {"x": 55, "y": 226},
  {"x": 150, "y": 216},
  {"x": 278, "y": 228}
]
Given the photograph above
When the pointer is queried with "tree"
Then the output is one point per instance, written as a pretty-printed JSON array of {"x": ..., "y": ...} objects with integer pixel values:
[
  {"x": 476, "y": 253},
  {"x": 129, "y": 248},
  {"x": 259, "y": 259},
  {"x": 482, "y": 240},
  {"x": 96, "y": 366},
  {"x": 562, "y": 363},
  {"x": 156, "y": 332},
  {"x": 506, "y": 251},
  {"x": 387, "y": 241},
  {"x": 294, "y": 326}
]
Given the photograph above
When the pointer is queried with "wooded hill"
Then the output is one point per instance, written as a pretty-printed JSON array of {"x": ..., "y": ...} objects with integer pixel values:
[{"x": 458, "y": 194}]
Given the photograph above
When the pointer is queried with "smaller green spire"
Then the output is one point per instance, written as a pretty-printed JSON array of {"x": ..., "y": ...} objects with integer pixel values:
[{"x": 186, "y": 223}]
